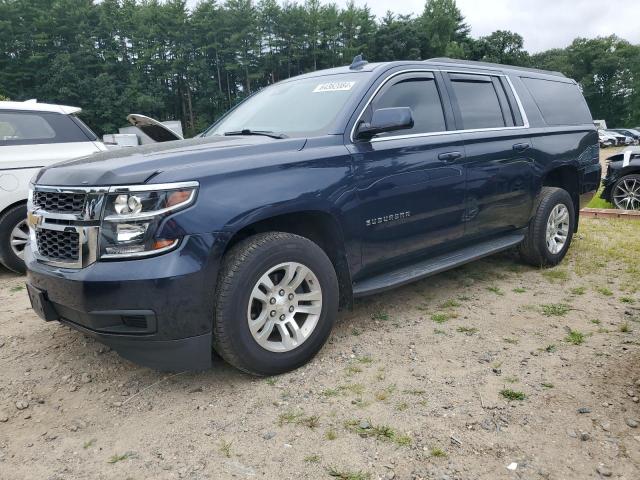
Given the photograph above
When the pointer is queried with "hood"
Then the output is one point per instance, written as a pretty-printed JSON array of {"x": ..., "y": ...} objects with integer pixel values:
[
  {"x": 136, "y": 165},
  {"x": 152, "y": 128}
]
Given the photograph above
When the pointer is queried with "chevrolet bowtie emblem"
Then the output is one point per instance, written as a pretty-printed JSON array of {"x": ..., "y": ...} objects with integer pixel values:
[{"x": 33, "y": 219}]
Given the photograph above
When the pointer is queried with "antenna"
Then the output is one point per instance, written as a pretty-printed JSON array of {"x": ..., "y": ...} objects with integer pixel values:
[{"x": 358, "y": 63}]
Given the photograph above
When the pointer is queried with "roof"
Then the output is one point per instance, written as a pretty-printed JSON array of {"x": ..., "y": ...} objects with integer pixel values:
[{"x": 34, "y": 106}]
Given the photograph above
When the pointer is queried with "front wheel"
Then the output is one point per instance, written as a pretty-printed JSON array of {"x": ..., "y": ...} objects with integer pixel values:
[
  {"x": 550, "y": 230},
  {"x": 626, "y": 193},
  {"x": 276, "y": 303},
  {"x": 14, "y": 235}
]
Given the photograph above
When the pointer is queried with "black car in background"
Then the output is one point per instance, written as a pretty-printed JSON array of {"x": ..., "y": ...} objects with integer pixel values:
[{"x": 622, "y": 179}]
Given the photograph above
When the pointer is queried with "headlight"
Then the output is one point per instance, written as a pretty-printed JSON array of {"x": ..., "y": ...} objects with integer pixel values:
[{"x": 132, "y": 216}]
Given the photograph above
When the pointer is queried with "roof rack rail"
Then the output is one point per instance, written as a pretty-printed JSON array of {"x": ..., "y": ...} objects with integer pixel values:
[{"x": 496, "y": 66}]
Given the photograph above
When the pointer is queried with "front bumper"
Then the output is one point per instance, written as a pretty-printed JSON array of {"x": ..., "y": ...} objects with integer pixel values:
[{"x": 154, "y": 311}]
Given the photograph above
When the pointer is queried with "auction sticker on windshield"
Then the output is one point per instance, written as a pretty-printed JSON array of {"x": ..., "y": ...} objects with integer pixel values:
[{"x": 334, "y": 87}]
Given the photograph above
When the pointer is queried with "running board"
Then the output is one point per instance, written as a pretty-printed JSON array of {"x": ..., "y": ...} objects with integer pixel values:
[{"x": 434, "y": 265}]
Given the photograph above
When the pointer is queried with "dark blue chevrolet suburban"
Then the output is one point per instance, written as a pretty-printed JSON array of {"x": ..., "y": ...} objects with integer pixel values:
[{"x": 321, "y": 188}]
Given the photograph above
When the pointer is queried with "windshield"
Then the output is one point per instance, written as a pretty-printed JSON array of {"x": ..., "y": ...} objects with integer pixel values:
[{"x": 296, "y": 108}]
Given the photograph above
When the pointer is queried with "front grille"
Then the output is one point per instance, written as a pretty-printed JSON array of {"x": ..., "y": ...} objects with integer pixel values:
[
  {"x": 58, "y": 245},
  {"x": 59, "y": 202}
]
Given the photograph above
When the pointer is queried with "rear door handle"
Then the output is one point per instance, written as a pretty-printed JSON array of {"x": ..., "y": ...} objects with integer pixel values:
[
  {"x": 450, "y": 157},
  {"x": 521, "y": 147}
]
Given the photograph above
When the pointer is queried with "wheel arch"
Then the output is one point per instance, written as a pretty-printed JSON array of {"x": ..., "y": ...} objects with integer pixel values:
[
  {"x": 566, "y": 177},
  {"x": 319, "y": 226}
]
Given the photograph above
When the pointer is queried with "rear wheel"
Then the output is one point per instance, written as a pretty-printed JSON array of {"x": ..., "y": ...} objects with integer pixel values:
[
  {"x": 14, "y": 235},
  {"x": 550, "y": 230},
  {"x": 276, "y": 303},
  {"x": 626, "y": 193}
]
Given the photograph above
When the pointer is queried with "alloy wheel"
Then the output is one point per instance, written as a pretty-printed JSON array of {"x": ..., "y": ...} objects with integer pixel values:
[
  {"x": 19, "y": 238},
  {"x": 557, "y": 228},
  {"x": 627, "y": 194},
  {"x": 284, "y": 307}
]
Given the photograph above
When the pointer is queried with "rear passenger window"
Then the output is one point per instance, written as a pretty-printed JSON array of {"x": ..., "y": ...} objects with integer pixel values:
[
  {"x": 31, "y": 128},
  {"x": 478, "y": 102},
  {"x": 421, "y": 95},
  {"x": 560, "y": 103}
]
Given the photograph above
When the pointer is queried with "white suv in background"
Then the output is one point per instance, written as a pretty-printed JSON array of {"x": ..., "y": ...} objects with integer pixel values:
[{"x": 33, "y": 135}]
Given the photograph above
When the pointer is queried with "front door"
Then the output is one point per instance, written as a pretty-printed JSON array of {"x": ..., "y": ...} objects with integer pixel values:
[{"x": 410, "y": 183}]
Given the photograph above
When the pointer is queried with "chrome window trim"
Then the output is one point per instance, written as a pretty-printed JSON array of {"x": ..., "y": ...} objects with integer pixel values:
[{"x": 525, "y": 119}]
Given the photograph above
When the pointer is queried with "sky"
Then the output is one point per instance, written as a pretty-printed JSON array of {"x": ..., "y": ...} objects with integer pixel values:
[{"x": 543, "y": 24}]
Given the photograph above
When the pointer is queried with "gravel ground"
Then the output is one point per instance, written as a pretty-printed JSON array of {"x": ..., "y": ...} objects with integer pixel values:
[{"x": 494, "y": 370}]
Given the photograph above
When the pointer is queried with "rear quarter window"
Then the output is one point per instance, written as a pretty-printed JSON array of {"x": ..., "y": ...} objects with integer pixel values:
[
  {"x": 32, "y": 128},
  {"x": 560, "y": 103}
]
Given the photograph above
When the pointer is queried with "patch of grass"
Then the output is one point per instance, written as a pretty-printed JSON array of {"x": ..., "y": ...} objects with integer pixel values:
[
  {"x": 347, "y": 475},
  {"x": 550, "y": 348},
  {"x": 365, "y": 359},
  {"x": 578, "y": 291},
  {"x": 311, "y": 421},
  {"x": 575, "y": 337},
  {"x": 330, "y": 434},
  {"x": 271, "y": 381},
  {"x": 624, "y": 327},
  {"x": 225, "y": 448},
  {"x": 355, "y": 332},
  {"x": 512, "y": 341},
  {"x": 467, "y": 330},
  {"x": 89, "y": 443},
  {"x": 555, "y": 309},
  {"x": 380, "y": 316},
  {"x": 603, "y": 330},
  {"x": 353, "y": 369},
  {"x": 289, "y": 417},
  {"x": 401, "y": 407},
  {"x": 519, "y": 290},
  {"x": 441, "y": 317},
  {"x": 355, "y": 388},
  {"x": 604, "y": 291},
  {"x": 437, "y": 331},
  {"x": 555, "y": 274},
  {"x": 547, "y": 385},
  {"x": 17, "y": 288},
  {"x": 330, "y": 392},
  {"x": 495, "y": 289},
  {"x": 464, "y": 298},
  {"x": 595, "y": 321},
  {"x": 414, "y": 391},
  {"x": 627, "y": 300},
  {"x": 380, "y": 432},
  {"x": 119, "y": 458},
  {"x": 312, "y": 458},
  {"x": 438, "y": 452},
  {"x": 383, "y": 395},
  {"x": 451, "y": 303},
  {"x": 512, "y": 394}
]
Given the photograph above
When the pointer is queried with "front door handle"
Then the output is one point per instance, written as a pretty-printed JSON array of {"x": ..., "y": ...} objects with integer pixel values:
[
  {"x": 450, "y": 157},
  {"x": 521, "y": 147}
]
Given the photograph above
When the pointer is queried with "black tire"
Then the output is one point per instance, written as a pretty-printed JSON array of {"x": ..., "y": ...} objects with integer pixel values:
[
  {"x": 241, "y": 268},
  {"x": 533, "y": 248},
  {"x": 635, "y": 200},
  {"x": 8, "y": 222}
]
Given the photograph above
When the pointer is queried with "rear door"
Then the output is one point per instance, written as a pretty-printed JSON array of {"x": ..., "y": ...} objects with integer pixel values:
[{"x": 498, "y": 161}]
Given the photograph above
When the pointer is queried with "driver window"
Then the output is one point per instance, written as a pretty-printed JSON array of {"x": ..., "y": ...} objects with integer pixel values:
[{"x": 421, "y": 95}]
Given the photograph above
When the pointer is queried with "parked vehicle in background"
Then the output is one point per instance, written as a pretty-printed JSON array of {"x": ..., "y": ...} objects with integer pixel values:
[
  {"x": 332, "y": 185},
  {"x": 629, "y": 132},
  {"x": 606, "y": 140},
  {"x": 621, "y": 139},
  {"x": 33, "y": 135},
  {"x": 622, "y": 179}
]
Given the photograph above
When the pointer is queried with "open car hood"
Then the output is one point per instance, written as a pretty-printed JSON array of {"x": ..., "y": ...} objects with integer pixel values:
[{"x": 153, "y": 128}]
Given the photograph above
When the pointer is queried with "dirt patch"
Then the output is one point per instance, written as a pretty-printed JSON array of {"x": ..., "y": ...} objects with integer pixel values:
[{"x": 460, "y": 376}]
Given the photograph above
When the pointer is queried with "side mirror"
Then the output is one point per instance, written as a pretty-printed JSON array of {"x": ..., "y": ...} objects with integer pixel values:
[{"x": 386, "y": 120}]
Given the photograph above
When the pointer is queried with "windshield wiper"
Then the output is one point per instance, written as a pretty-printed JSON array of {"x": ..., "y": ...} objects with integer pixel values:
[{"x": 265, "y": 133}]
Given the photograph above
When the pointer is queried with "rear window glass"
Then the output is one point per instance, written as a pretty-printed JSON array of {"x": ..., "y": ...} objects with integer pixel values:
[
  {"x": 560, "y": 103},
  {"x": 31, "y": 128},
  {"x": 478, "y": 103}
]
